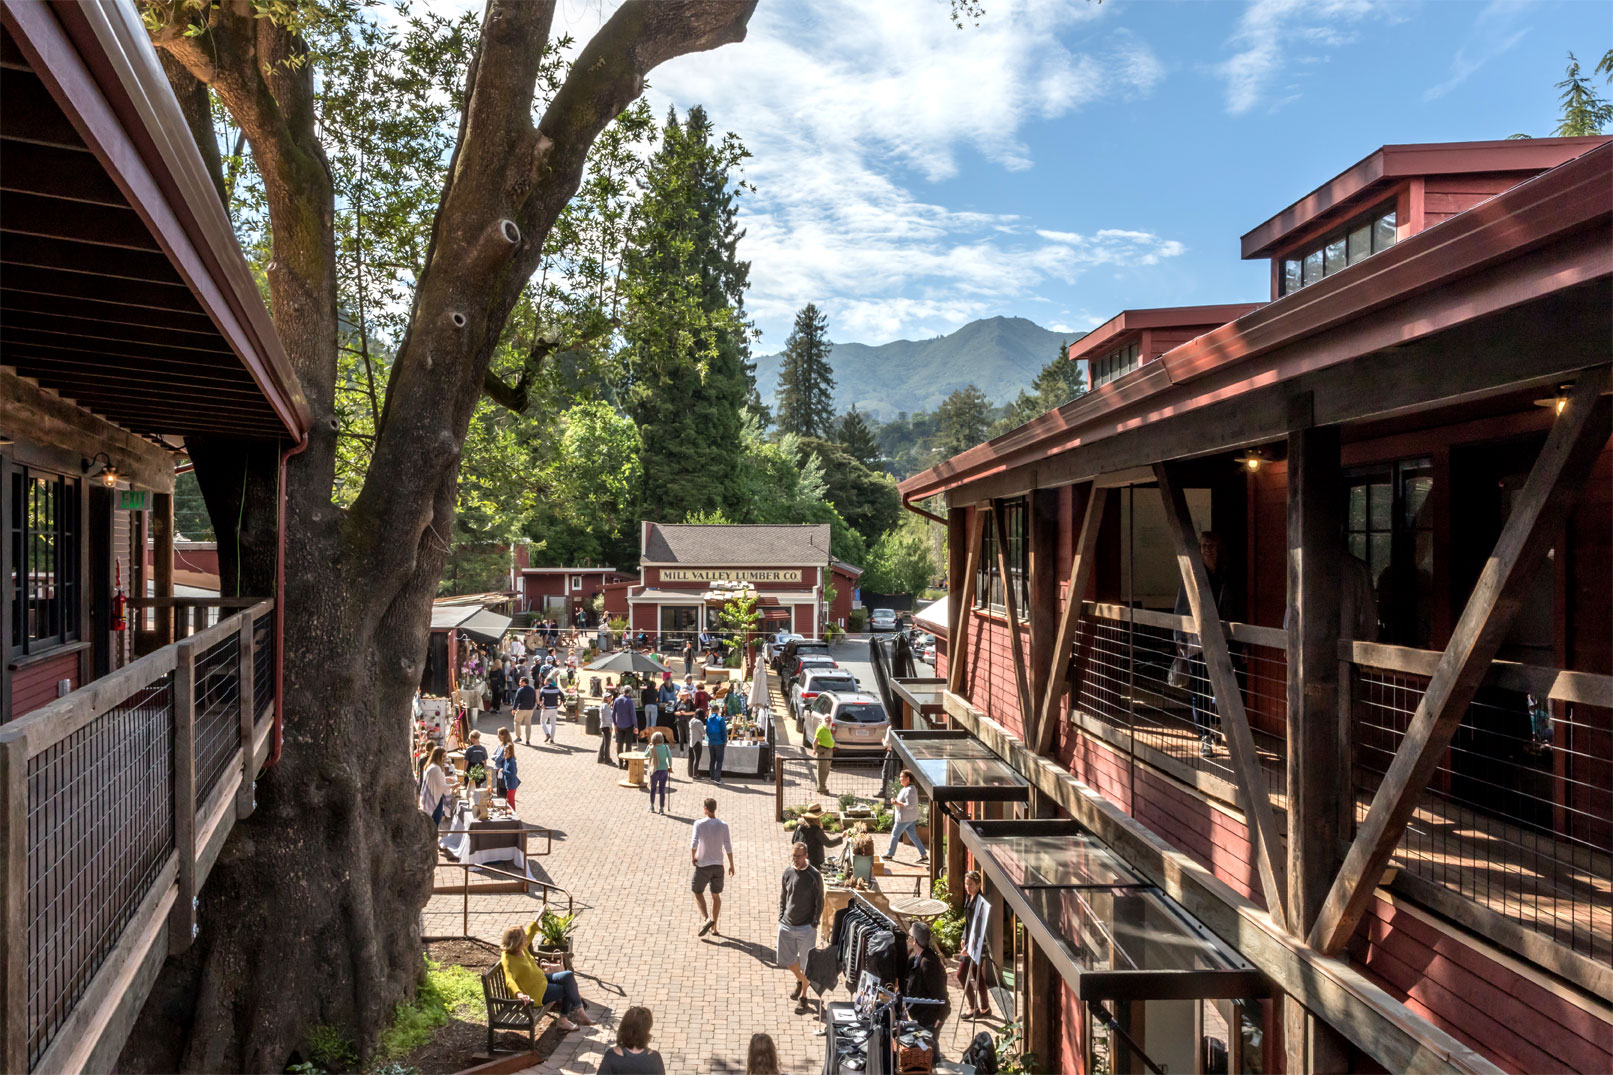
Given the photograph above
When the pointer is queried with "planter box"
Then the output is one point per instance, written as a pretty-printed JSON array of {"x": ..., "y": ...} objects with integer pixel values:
[{"x": 544, "y": 952}]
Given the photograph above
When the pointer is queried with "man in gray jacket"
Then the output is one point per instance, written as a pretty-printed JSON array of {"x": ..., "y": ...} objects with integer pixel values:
[{"x": 800, "y": 905}]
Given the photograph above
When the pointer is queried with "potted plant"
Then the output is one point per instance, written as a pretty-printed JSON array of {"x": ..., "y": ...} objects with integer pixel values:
[{"x": 554, "y": 937}]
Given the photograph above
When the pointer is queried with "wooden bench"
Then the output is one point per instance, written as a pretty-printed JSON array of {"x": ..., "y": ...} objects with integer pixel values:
[{"x": 506, "y": 1012}]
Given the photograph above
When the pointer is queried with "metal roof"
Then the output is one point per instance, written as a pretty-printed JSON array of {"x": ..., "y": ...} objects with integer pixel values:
[{"x": 737, "y": 545}]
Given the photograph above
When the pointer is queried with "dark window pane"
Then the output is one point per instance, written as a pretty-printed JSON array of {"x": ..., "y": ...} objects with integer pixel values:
[
  {"x": 1383, "y": 232},
  {"x": 1360, "y": 243},
  {"x": 1358, "y": 547},
  {"x": 1293, "y": 278},
  {"x": 1333, "y": 257},
  {"x": 1419, "y": 504},
  {"x": 1378, "y": 546},
  {"x": 1380, "y": 506},
  {"x": 1358, "y": 507},
  {"x": 1313, "y": 267}
]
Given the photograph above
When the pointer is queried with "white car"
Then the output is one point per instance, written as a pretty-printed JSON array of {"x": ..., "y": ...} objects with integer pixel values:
[
  {"x": 882, "y": 619},
  {"x": 857, "y": 721},
  {"x": 816, "y": 681},
  {"x": 924, "y": 647},
  {"x": 776, "y": 643}
]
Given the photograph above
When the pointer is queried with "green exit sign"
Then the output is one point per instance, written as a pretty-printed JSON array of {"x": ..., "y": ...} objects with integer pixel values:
[{"x": 134, "y": 500}]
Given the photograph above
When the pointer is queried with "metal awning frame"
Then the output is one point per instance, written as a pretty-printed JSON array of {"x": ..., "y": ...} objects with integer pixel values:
[
  {"x": 944, "y": 793},
  {"x": 903, "y": 690},
  {"x": 1234, "y": 983}
]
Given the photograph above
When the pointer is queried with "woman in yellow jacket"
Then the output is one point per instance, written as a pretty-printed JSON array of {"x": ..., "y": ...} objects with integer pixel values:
[{"x": 543, "y": 983}]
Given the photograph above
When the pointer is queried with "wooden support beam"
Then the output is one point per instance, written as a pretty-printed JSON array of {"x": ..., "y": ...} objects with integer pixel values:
[
  {"x": 1081, "y": 567},
  {"x": 1042, "y": 591},
  {"x": 162, "y": 551},
  {"x": 182, "y": 917},
  {"x": 1316, "y": 784},
  {"x": 1564, "y": 464},
  {"x": 1022, "y": 686},
  {"x": 958, "y": 638},
  {"x": 14, "y": 905},
  {"x": 1256, "y": 803}
]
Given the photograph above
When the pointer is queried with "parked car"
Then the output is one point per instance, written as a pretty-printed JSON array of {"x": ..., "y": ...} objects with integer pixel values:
[
  {"x": 802, "y": 664},
  {"x": 882, "y": 619},
  {"x": 923, "y": 646},
  {"x": 857, "y": 721},
  {"x": 784, "y": 659},
  {"x": 814, "y": 682}
]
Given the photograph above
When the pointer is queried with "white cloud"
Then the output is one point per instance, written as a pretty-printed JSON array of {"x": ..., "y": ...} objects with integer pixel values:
[
  {"x": 1495, "y": 30},
  {"x": 848, "y": 108},
  {"x": 1274, "y": 35}
]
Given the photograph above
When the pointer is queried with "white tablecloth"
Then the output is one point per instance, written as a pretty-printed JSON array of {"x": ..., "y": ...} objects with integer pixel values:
[
  {"x": 457, "y": 844},
  {"x": 739, "y": 758}
]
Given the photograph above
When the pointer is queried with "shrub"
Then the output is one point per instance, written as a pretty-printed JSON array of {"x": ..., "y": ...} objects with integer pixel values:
[
  {"x": 330, "y": 1048},
  {"x": 858, "y": 619},
  {"x": 443, "y": 992}
]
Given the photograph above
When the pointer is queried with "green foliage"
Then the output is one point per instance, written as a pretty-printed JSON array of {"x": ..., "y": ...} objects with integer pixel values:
[
  {"x": 1058, "y": 382},
  {"x": 902, "y": 560},
  {"x": 739, "y": 615},
  {"x": 331, "y": 1048},
  {"x": 687, "y": 340},
  {"x": 858, "y": 620},
  {"x": 962, "y": 420},
  {"x": 806, "y": 381},
  {"x": 947, "y": 932},
  {"x": 190, "y": 511},
  {"x": 591, "y": 486},
  {"x": 866, "y": 498},
  {"x": 1585, "y": 113},
  {"x": 1011, "y": 1057},
  {"x": 858, "y": 440},
  {"x": 444, "y": 992},
  {"x": 555, "y": 930}
]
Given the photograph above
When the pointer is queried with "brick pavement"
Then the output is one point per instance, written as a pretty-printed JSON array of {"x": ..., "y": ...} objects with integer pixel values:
[{"x": 636, "y": 941}]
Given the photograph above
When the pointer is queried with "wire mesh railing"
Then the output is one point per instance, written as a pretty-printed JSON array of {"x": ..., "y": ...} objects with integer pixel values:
[
  {"x": 218, "y": 712},
  {"x": 100, "y": 829},
  {"x": 1518, "y": 816},
  {"x": 849, "y": 781},
  {"x": 263, "y": 662}
]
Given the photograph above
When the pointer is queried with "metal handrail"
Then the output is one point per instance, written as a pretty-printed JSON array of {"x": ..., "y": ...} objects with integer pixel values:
[{"x": 467, "y": 867}]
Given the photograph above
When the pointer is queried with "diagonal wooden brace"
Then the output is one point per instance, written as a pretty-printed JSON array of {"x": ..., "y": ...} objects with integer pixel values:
[
  {"x": 1564, "y": 463},
  {"x": 1022, "y": 684},
  {"x": 958, "y": 640},
  {"x": 1228, "y": 698},
  {"x": 1081, "y": 568}
]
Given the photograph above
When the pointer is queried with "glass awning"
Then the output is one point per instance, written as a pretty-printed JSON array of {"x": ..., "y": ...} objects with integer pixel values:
[
  {"x": 954, "y": 766},
  {"x": 924, "y": 695},
  {"x": 1110, "y": 933}
]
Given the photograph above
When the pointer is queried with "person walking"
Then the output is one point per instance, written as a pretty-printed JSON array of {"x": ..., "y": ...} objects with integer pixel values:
[
  {"x": 762, "y": 1056},
  {"x": 694, "y": 732},
  {"x": 707, "y": 845},
  {"x": 434, "y": 786},
  {"x": 540, "y": 983},
  {"x": 800, "y": 905},
  {"x": 549, "y": 699},
  {"x": 606, "y": 726},
  {"x": 526, "y": 700},
  {"x": 624, "y": 715},
  {"x": 717, "y": 742},
  {"x": 632, "y": 1055},
  {"x": 972, "y": 948},
  {"x": 810, "y": 834},
  {"x": 823, "y": 747},
  {"x": 660, "y": 766},
  {"x": 907, "y": 818}
]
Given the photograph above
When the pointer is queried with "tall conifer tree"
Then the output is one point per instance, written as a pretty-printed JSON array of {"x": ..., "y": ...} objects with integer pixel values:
[
  {"x": 806, "y": 381},
  {"x": 688, "y": 342},
  {"x": 858, "y": 440}
]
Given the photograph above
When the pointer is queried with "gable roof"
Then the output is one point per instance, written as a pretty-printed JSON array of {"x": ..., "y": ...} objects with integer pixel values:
[{"x": 736, "y": 544}]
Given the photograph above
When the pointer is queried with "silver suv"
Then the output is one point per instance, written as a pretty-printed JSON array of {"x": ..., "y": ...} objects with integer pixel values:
[{"x": 858, "y": 721}]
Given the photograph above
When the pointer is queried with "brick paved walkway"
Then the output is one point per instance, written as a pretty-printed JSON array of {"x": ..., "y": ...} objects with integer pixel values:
[{"x": 636, "y": 941}]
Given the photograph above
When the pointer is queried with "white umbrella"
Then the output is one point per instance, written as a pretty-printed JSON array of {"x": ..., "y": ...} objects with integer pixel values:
[{"x": 759, "y": 701}]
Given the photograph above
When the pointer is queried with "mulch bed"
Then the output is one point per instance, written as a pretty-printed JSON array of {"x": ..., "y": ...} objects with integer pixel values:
[{"x": 453, "y": 1046}]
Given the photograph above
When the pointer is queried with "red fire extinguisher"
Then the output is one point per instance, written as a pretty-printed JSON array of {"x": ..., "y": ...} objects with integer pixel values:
[{"x": 120, "y": 618}]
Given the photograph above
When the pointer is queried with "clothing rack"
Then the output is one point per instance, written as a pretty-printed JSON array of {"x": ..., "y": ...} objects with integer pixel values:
[{"x": 867, "y": 905}]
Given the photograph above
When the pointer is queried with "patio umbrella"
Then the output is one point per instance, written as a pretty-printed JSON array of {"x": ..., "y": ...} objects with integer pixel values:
[{"x": 628, "y": 661}]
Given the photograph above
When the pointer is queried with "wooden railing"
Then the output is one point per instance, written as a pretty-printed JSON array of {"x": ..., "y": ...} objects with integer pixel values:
[
  {"x": 158, "y": 621},
  {"x": 117, "y": 800}
]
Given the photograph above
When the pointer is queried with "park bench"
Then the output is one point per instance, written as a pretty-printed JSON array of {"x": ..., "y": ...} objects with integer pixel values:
[{"x": 506, "y": 1012}]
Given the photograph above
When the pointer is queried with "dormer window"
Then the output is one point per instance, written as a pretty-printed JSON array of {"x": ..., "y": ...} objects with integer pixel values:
[
  {"x": 1115, "y": 364},
  {"x": 1356, "y": 241}
]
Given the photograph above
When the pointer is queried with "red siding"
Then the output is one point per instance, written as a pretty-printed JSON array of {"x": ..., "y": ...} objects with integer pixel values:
[
  {"x": 34, "y": 685},
  {"x": 1477, "y": 999},
  {"x": 809, "y": 579},
  {"x": 1446, "y": 195},
  {"x": 990, "y": 682}
]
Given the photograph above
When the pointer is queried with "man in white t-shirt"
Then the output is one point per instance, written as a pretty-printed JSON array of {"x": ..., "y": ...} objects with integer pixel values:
[
  {"x": 517, "y": 647},
  {"x": 709, "y": 842}
]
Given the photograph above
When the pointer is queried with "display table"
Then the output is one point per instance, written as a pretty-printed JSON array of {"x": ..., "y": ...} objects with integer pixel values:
[
  {"x": 921, "y": 908},
  {"x": 483, "y": 843},
  {"x": 635, "y": 768},
  {"x": 743, "y": 758},
  {"x": 835, "y": 897}
]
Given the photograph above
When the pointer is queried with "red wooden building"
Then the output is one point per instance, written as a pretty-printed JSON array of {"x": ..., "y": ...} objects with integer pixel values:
[
  {"x": 1362, "y": 734},
  {"x": 130, "y": 326}
]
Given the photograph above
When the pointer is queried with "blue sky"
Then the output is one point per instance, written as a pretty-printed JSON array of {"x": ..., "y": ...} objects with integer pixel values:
[{"x": 1065, "y": 160}]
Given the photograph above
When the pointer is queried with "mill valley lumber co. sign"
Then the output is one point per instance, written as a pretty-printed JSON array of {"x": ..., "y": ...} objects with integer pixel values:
[{"x": 732, "y": 574}]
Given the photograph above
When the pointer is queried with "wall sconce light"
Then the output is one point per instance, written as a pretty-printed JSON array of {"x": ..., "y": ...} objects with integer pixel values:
[
  {"x": 1252, "y": 460},
  {"x": 101, "y": 467},
  {"x": 1557, "y": 402}
]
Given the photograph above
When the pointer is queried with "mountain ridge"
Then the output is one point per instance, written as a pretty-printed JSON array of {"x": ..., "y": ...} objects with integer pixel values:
[{"x": 999, "y": 355}]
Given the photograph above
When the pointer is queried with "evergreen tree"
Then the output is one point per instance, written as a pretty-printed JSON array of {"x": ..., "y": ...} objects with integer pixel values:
[
  {"x": 1058, "y": 382},
  {"x": 1585, "y": 112},
  {"x": 858, "y": 440},
  {"x": 964, "y": 418},
  {"x": 688, "y": 343},
  {"x": 806, "y": 382}
]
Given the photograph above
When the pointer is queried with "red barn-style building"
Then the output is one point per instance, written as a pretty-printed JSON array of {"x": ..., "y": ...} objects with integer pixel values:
[
  {"x": 684, "y": 566},
  {"x": 1359, "y": 738}
]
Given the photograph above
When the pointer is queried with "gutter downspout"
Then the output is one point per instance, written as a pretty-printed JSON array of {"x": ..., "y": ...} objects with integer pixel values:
[
  {"x": 280, "y": 611},
  {"x": 910, "y": 506}
]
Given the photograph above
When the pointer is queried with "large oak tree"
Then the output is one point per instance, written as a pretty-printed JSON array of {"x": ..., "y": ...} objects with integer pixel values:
[{"x": 312, "y": 914}]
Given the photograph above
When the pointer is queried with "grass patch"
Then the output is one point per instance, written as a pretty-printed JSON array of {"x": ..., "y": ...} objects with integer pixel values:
[{"x": 446, "y": 991}]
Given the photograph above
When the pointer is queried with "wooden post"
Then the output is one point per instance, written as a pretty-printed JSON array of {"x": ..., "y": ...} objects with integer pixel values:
[
  {"x": 955, "y": 860},
  {"x": 14, "y": 924},
  {"x": 778, "y": 786},
  {"x": 1043, "y": 591},
  {"x": 1315, "y": 501},
  {"x": 162, "y": 550},
  {"x": 1256, "y": 802},
  {"x": 1081, "y": 567},
  {"x": 247, "y": 671},
  {"x": 958, "y": 640},
  {"x": 1022, "y": 687},
  {"x": 182, "y": 919},
  {"x": 1564, "y": 464}
]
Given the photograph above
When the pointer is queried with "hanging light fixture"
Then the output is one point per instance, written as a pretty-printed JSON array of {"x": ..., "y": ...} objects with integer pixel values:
[
  {"x": 1557, "y": 402},
  {"x": 100, "y": 466},
  {"x": 1251, "y": 460}
]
